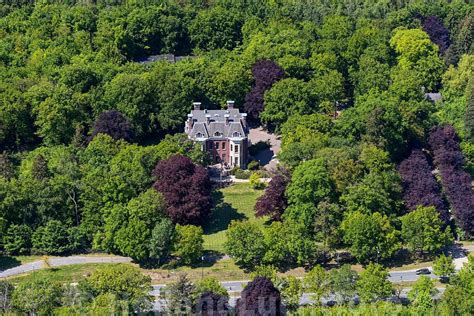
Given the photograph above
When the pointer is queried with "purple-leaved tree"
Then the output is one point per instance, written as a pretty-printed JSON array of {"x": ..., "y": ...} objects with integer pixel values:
[
  {"x": 114, "y": 124},
  {"x": 186, "y": 188},
  {"x": 457, "y": 183},
  {"x": 260, "y": 297},
  {"x": 273, "y": 202},
  {"x": 419, "y": 184},
  {"x": 438, "y": 34},
  {"x": 265, "y": 73}
]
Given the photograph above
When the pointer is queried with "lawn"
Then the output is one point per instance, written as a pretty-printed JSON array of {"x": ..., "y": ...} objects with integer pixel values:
[
  {"x": 235, "y": 202},
  {"x": 64, "y": 274}
]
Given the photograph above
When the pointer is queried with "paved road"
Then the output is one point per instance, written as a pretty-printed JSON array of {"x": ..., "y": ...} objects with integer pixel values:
[{"x": 62, "y": 261}]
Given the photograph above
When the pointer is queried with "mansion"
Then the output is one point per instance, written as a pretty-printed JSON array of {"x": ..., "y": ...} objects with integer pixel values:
[{"x": 222, "y": 133}]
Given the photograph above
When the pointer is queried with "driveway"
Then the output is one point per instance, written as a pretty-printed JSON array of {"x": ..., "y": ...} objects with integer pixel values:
[{"x": 266, "y": 157}]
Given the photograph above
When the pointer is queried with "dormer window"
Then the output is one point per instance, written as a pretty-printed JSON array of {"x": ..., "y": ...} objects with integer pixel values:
[
  {"x": 199, "y": 135},
  {"x": 217, "y": 134},
  {"x": 236, "y": 134}
]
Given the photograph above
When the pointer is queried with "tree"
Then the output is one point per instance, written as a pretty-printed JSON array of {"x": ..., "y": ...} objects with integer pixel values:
[
  {"x": 7, "y": 169},
  {"x": 291, "y": 290},
  {"x": 39, "y": 296},
  {"x": 216, "y": 28},
  {"x": 245, "y": 243},
  {"x": 343, "y": 283},
  {"x": 317, "y": 282},
  {"x": 437, "y": 32},
  {"x": 419, "y": 55},
  {"x": 373, "y": 283},
  {"x": 180, "y": 296},
  {"x": 443, "y": 266},
  {"x": 420, "y": 188},
  {"x": 421, "y": 295},
  {"x": 371, "y": 237},
  {"x": 162, "y": 238},
  {"x": 17, "y": 240},
  {"x": 51, "y": 239},
  {"x": 310, "y": 183},
  {"x": 188, "y": 245},
  {"x": 422, "y": 231},
  {"x": 287, "y": 97},
  {"x": 273, "y": 202},
  {"x": 469, "y": 114},
  {"x": 455, "y": 180},
  {"x": 211, "y": 285},
  {"x": 186, "y": 188},
  {"x": 39, "y": 169},
  {"x": 259, "y": 297},
  {"x": 265, "y": 73},
  {"x": 114, "y": 124},
  {"x": 129, "y": 285},
  {"x": 458, "y": 295}
]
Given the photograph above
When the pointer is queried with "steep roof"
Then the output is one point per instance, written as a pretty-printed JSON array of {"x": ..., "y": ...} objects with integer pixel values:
[{"x": 217, "y": 124}]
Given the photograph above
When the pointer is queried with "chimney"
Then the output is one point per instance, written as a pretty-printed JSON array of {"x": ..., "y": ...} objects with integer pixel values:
[
  {"x": 226, "y": 118},
  {"x": 197, "y": 105},
  {"x": 230, "y": 104},
  {"x": 189, "y": 123},
  {"x": 208, "y": 118},
  {"x": 244, "y": 119}
]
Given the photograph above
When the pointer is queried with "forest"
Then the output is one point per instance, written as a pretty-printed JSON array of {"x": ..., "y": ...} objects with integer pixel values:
[{"x": 373, "y": 101}]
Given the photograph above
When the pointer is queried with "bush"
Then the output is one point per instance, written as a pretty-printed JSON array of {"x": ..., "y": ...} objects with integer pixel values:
[
  {"x": 253, "y": 165},
  {"x": 255, "y": 181},
  {"x": 17, "y": 240},
  {"x": 242, "y": 174}
]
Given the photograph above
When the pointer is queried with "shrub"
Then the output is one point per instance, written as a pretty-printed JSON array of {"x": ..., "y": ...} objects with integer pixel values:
[
  {"x": 51, "y": 239},
  {"x": 17, "y": 240},
  {"x": 242, "y": 174},
  {"x": 255, "y": 181},
  {"x": 253, "y": 165}
]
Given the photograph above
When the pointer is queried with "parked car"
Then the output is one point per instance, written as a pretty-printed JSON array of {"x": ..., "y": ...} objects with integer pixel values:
[{"x": 423, "y": 271}]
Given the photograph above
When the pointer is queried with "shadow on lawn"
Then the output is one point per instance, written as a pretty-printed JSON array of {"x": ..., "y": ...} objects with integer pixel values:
[
  {"x": 8, "y": 263},
  {"x": 222, "y": 214}
]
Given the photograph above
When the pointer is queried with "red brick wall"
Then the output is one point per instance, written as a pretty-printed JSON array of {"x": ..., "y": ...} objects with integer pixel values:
[{"x": 218, "y": 153}]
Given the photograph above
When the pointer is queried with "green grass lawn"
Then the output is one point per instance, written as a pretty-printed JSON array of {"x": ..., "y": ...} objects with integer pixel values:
[
  {"x": 235, "y": 202},
  {"x": 64, "y": 274}
]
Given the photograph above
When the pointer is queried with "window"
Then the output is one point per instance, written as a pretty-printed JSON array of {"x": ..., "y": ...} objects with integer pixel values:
[
  {"x": 236, "y": 134},
  {"x": 217, "y": 134},
  {"x": 199, "y": 135},
  {"x": 236, "y": 148},
  {"x": 217, "y": 145},
  {"x": 210, "y": 145},
  {"x": 236, "y": 160},
  {"x": 231, "y": 147},
  {"x": 223, "y": 146}
]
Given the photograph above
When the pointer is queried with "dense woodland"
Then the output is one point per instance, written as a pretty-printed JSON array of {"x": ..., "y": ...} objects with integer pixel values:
[{"x": 92, "y": 157}]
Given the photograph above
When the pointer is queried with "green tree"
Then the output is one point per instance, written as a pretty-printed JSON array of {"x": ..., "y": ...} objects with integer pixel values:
[
  {"x": 124, "y": 281},
  {"x": 287, "y": 97},
  {"x": 245, "y": 243},
  {"x": 161, "y": 241},
  {"x": 443, "y": 266},
  {"x": 371, "y": 237},
  {"x": 189, "y": 243},
  {"x": 422, "y": 231},
  {"x": 317, "y": 282},
  {"x": 107, "y": 304},
  {"x": 53, "y": 238},
  {"x": 421, "y": 295},
  {"x": 459, "y": 294},
  {"x": 255, "y": 182},
  {"x": 291, "y": 290},
  {"x": 180, "y": 296},
  {"x": 373, "y": 283},
  {"x": 39, "y": 296},
  {"x": 17, "y": 240},
  {"x": 343, "y": 283},
  {"x": 210, "y": 284}
]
